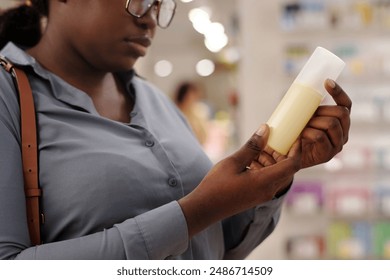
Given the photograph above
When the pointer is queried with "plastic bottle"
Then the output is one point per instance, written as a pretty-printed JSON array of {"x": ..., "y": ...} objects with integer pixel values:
[{"x": 302, "y": 99}]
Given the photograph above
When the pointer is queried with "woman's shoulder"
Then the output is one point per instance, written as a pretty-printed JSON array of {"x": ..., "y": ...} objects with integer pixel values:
[
  {"x": 7, "y": 88},
  {"x": 9, "y": 102},
  {"x": 8, "y": 92}
]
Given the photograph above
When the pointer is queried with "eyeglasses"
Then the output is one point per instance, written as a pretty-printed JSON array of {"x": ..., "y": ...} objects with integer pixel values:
[{"x": 165, "y": 10}]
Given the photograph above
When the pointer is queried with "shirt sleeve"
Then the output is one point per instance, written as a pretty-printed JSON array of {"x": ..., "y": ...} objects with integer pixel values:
[
  {"x": 245, "y": 231},
  {"x": 156, "y": 234},
  {"x": 138, "y": 238}
]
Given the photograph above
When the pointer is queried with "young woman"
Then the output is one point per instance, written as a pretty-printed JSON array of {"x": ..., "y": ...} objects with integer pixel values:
[{"x": 121, "y": 173}]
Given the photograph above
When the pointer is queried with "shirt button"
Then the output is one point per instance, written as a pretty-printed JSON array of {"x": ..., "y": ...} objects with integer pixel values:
[
  {"x": 172, "y": 182},
  {"x": 149, "y": 143}
]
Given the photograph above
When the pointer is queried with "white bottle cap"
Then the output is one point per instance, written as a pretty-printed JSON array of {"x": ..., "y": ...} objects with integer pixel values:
[{"x": 321, "y": 65}]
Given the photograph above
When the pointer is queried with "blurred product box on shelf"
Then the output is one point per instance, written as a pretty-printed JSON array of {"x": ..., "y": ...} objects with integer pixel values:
[
  {"x": 349, "y": 240},
  {"x": 305, "y": 198},
  {"x": 308, "y": 14},
  {"x": 348, "y": 201},
  {"x": 382, "y": 199},
  {"x": 382, "y": 240},
  {"x": 308, "y": 247},
  {"x": 357, "y": 158},
  {"x": 365, "y": 60},
  {"x": 343, "y": 240},
  {"x": 338, "y": 14},
  {"x": 382, "y": 156}
]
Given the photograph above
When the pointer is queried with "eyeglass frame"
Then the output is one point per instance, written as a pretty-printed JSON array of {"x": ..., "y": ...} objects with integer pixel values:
[{"x": 158, "y": 2}]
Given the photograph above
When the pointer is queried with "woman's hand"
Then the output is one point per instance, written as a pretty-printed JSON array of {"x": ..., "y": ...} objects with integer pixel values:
[
  {"x": 323, "y": 137},
  {"x": 328, "y": 130},
  {"x": 237, "y": 183}
]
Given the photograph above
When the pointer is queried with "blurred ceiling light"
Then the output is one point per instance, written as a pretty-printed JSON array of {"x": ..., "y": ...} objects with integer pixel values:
[
  {"x": 200, "y": 19},
  {"x": 214, "y": 32},
  {"x": 198, "y": 14},
  {"x": 215, "y": 28},
  {"x": 216, "y": 43},
  {"x": 163, "y": 68},
  {"x": 186, "y": 1},
  {"x": 205, "y": 67},
  {"x": 215, "y": 37}
]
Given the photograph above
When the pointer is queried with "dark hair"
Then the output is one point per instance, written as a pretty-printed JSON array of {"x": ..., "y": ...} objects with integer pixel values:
[
  {"x": 183, "y": 89},
  {"x": 22, "y": 24}
]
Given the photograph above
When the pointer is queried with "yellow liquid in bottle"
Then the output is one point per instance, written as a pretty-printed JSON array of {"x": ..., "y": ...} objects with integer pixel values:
[{"x": 291, "y": 116}]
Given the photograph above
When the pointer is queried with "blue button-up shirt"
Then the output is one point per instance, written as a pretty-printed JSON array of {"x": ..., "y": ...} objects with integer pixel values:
[{"x": 110, "y": 189}]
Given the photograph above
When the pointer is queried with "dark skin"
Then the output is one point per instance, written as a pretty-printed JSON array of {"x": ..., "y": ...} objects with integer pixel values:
[
  {"x": 270, "y": 173},
  {"x": 85, "y": 47}
]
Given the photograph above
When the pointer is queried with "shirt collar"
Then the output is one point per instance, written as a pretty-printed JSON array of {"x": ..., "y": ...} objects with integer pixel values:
[{"x": 18, "y": 56}]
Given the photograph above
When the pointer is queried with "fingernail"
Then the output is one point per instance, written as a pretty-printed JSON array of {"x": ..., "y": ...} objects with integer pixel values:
[
  {"x": 331, "y": 83},
  {"x": 261, "y": 130}
]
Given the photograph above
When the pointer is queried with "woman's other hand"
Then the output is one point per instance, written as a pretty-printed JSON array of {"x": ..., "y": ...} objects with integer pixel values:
[{"x": 328, "y": 130}]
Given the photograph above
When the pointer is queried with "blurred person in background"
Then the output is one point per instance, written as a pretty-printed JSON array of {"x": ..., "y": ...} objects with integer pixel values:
[
  {"x": 121, "y": 173},
  {"x": 189, "y": 99}
]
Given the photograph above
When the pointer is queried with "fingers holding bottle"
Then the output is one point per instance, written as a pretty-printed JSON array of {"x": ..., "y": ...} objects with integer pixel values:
[
  {"x": 338, "y": 94},
  {"x": 230, "y": 187},
  {"x": 341, "y": 111},
  {"x": 328, "y": 130}
]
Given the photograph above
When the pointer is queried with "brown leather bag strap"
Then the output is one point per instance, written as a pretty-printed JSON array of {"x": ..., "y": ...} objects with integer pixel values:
[{"x": 29, "y": 150}]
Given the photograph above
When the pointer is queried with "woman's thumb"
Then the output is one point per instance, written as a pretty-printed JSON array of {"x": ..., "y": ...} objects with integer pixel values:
[{"x": 252, "y": 148}]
